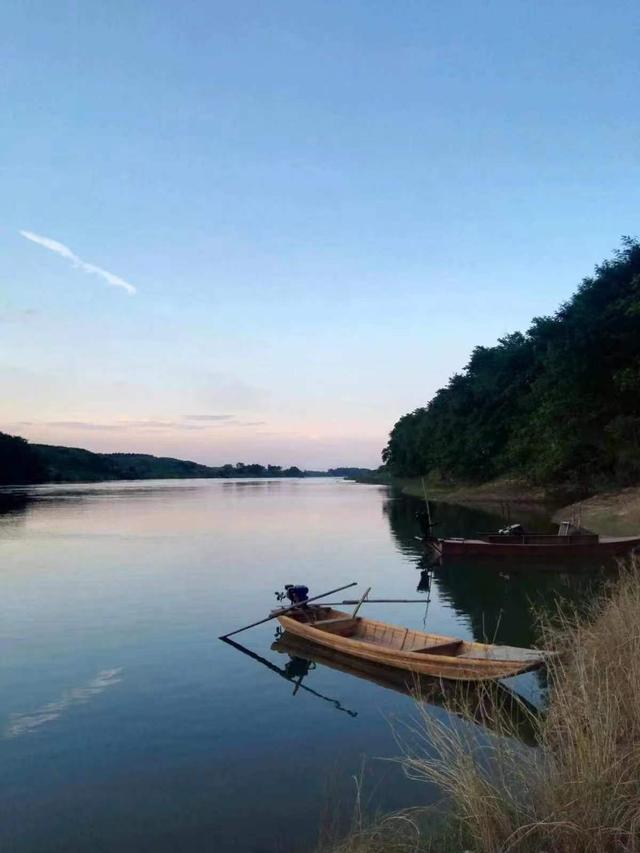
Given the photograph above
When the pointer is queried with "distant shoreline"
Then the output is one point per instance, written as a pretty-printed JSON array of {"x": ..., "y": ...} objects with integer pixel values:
[{"x": 23, "y": 463}]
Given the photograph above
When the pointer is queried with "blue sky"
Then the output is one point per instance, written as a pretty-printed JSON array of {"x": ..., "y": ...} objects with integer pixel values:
[{"x": 322, "y": 208}]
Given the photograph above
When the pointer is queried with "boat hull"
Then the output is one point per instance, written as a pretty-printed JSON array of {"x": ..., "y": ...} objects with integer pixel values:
[{"x": 605, "y": 548}]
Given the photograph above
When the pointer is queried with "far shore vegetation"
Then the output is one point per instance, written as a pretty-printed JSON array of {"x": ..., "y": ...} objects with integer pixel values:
[
  {"x": 576, "y": 791},
  {"x": 23, "y": 463}
]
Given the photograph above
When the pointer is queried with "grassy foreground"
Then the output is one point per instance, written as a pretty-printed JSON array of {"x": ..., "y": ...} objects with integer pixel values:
[{"x": 577, "y": 792}]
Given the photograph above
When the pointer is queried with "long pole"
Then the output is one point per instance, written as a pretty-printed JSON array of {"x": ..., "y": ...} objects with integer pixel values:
[
  {"x": 379, "y": 601},
  {"x": 360, "y": 603},
  {"x": 426, "y": 500},
  {"x": 282, "y": 610}
]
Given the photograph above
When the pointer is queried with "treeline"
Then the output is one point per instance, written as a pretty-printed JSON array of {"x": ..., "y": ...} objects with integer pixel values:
[
  {"x": 19, "y": 462},
  {"x": 557, "y": 404},
  {"x": 349, "y": 472},
  {"x": 23, "y": 463}
]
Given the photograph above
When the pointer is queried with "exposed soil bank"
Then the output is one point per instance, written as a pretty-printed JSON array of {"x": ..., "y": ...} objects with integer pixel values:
[{"x": 616, "y": 513}]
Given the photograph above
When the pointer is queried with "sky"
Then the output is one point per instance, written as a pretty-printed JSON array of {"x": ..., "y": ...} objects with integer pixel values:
[{"x": 263, "y": 231}]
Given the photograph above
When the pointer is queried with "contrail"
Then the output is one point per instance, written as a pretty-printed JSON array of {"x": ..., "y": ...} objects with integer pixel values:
[{"x": 65, "y": 252}]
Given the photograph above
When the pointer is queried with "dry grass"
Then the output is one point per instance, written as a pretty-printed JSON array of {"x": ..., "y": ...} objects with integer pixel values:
[
  {"x": 398, "y": 832},
  {"x": 579, "y": 790},
  {"x": 395, "y": 833}
]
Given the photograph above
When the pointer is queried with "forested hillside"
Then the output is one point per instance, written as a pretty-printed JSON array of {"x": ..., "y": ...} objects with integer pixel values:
[
  {"x": 22, "y": 463},
  {"x": 19, "y": 462},
  {"x": 558, "y": 403}
]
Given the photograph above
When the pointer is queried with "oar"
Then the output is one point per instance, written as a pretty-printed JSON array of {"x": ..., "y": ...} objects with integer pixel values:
[
  {"x": 378, "y": 601},
  {"x": 281, "y": 672},
  {"x": 282, "y": 610}
]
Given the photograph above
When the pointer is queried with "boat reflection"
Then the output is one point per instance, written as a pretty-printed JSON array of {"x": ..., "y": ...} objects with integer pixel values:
[
  {"x": 505, "y": 603},
  {"x": 491, "y": 705}
]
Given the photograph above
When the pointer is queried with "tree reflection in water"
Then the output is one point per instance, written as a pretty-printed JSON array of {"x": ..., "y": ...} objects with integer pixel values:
[{"x": 503, "y": 601}]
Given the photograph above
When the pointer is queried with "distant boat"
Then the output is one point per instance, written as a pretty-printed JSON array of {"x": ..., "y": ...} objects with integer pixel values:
[
  {"x": 406, "y": 649},
  {"x": 513, "y": 541}
]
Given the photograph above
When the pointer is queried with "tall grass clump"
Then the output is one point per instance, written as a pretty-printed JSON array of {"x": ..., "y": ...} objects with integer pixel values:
[{"x": 579, "y": 791}]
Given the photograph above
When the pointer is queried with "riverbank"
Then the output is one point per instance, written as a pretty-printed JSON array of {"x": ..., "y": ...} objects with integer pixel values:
[
  {"x": 577, "y": 791},
  {"x": 613, "y": 513},
  {"x": 616, "y": 513},
  {"x": 507, "y": 489}
]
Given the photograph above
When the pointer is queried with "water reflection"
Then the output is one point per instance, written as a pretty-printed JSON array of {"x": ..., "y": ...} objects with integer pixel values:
[
  {"x": 24, "y": 723},
  {"x": 12, "y": 503},
  {"x": 143, "y": 577},
  {"x": 295, "y": 670},
  {"x": 502, "y": 603},
  {"x": 492, "y": 706}
]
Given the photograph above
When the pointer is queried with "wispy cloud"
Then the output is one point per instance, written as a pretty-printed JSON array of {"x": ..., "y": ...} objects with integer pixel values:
[
  {"x": 65, "y": 252},
  {"x": 187, "y": 423},
  {"x": 209, "y": 417},
  {"x": 121, "y": 426}
]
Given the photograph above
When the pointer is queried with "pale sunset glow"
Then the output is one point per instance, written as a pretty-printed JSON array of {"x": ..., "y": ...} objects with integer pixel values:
[{"x": 265, "y": 235}]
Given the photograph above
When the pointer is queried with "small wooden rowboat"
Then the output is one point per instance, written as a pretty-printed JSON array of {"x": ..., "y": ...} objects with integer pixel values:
[{"x": 403, "y": 648}]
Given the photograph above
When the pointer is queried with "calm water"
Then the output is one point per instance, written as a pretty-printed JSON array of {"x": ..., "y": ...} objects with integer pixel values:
[{"x": 126, "y": 725}]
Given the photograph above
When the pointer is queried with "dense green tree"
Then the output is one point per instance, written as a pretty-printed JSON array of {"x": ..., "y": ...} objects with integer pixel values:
[
  {"x": 19, "y": 462},
  {"x": 558, "y": 403}
]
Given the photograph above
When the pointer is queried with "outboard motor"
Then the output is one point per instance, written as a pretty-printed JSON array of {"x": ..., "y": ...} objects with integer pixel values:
[
  {"x": 512, "y": 530},
  {"x": 296, "y": 593}
]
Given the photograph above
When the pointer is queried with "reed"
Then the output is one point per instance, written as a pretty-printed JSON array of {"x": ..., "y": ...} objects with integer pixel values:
[{"x": 578, "y": 791}]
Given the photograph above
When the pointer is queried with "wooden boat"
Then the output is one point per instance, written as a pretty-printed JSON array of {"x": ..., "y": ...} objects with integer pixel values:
[
  {"x": 406, "y": 649},
  {"x": 568, "y": 542}
]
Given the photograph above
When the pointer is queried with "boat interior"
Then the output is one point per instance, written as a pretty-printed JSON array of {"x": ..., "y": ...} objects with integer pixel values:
[
  {"x": 376, "y": 633},
  {"x": 542, "y": 539},
  {"x": 395, "y": 638}
]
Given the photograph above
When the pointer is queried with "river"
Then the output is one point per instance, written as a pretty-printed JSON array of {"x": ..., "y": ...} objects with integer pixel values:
[{"x": 126, "y": 725}]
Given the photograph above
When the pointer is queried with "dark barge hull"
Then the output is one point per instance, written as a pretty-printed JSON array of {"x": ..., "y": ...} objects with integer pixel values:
[{"x": 565, "y": 548}]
